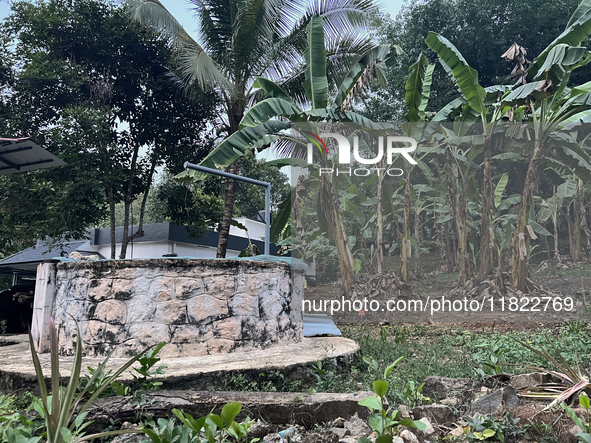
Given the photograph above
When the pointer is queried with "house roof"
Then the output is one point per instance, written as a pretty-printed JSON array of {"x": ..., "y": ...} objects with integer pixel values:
[
  {"x": 27, "y": 260},
  {"x": 170, "y": 232},
  {"x": 23, "y": 154}
]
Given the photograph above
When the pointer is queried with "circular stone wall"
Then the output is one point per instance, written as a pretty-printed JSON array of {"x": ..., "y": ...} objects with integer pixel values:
[{"x": 197, "y": 306}]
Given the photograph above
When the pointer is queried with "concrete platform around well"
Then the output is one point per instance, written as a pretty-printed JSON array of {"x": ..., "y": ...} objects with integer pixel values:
[{"x": 208, "y": 372}]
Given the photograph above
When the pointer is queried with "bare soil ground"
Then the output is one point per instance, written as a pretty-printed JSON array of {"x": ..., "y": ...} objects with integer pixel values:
[{"x": 430, "y": 298}]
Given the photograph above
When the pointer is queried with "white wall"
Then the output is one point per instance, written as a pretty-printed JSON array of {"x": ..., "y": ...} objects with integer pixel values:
[
  {"x": 256, "y": 229},
  {"x": 158, "y": 248}
]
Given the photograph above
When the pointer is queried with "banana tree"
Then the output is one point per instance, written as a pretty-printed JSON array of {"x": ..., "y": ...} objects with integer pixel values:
[
  {"x": 263, "y": 124},
  {"x": 418, "y": 89},
  {"x": 554, "y": 110},
  {"x": 475, "y": 103}
]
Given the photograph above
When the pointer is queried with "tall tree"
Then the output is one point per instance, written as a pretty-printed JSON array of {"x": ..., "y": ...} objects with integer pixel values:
[
  {"x": 260, "y": 126},
  {"x": 83, "y": 67},
  {"x": 240, "y": 40},
  {"x": 481, "y": 30},
  {"x": 554, "y": 110}
]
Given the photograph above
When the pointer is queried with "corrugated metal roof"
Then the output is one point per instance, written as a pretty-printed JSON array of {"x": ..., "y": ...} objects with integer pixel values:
[
  {"x": 23, "y": 154},
  {"x": 319, "y": 325}
]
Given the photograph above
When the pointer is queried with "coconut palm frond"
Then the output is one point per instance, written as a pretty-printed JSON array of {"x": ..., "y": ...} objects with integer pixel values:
[
  {"x": 194, "y": 63},
  {"x": 195, "y": 66},
  {"x": 342, "y": 16}
]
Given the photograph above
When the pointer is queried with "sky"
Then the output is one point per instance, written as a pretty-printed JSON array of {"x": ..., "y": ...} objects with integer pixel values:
[{"x": 181, "y": 10}]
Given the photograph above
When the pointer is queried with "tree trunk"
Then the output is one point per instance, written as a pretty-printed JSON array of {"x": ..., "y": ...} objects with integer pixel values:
[
  {"x": 417, "y": 229},
  {"x": 140, "y": 230},
  {"x": 486, "y": 244},
  {"x": 555, "y": 224},
  {"x": 457, "y": 208},
  {"x": 450, "y": 248},
  {"x": 547, "y": 246},
  {"x": 579, "y": 213},
  {"x": 571, "y": 230},
  {"x": 127, "y": 203},
  {"x": 518, "y": 242},
  {"x": 235, "y": 114},
  {"x": 112, "y": 221},
  {"x": 328, "y": 203},
  {"x": 224, "y": 231},
  {"x": 380, "y": 229},
  {"x": 585, "y": 224},
  {"x": 405, "y": 246}
]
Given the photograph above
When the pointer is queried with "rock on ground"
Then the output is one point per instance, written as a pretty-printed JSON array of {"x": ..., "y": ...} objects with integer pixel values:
[
  {"x": 496, "y": 402},
  {"x": 439, "y": 414}
]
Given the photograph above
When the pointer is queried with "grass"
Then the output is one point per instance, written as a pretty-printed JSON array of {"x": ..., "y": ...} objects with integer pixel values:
[
  {"x": 576, "y": 269},
  {"x": 459, "y": 353},
  {"x": 440, "y": 351}
]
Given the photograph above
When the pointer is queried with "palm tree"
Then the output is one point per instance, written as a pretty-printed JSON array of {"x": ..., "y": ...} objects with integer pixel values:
[
  {"x": 263, "y": 122},
  {"x": 240, "y": 40}
]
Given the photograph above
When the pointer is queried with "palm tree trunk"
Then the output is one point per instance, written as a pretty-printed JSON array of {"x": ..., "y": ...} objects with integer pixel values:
[
  {"x": 518, "y": 242},
  {"x": 224, "y": 231},
  {"x": 235, "y": 114}
]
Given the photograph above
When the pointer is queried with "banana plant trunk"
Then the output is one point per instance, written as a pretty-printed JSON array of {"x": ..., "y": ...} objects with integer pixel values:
[
  {"x": 518, "y": 242},
  {"x": 571, "y": 231},
  {"x": 555, "y": 225},
  {"x": 486, "y": 245},
  {"x": 579, "y": 213},
  {"x": 334, "y": 220},
  {"x": 417, "y": 233},
  {"x": 380, "y": 229},
  {"x": 458, "y": 201},
  {"x": 585, "y": 225},
  {"x": 405, "y": 248}
]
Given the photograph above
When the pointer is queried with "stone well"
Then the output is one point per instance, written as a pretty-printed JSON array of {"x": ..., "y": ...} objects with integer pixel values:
[{"x": 197, "y": 306}]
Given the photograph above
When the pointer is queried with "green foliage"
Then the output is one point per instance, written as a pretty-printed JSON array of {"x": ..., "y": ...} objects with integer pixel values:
[
  {"x": 209, "y": 429},
  {"x": 486, "y": 428},
  {"x": 385, "y": 422},
  {"x": 189, "y": 205},
  {"x": 469, "y": 27},
  {"x": 494, "y": 354},
  {"x": 411, "y": 394},
  {"x": 94, "y": 105},
  {"x": 97, "y": 377},
  {"x": 64, "y": 410},
  {"x": 326, "y": 376},
  {"x": 147, "y": 361},
  {"x": 585, "y": 425}
]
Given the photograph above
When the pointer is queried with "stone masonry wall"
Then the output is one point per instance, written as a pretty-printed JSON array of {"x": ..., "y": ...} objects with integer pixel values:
[{"x": 197, "y": 306}]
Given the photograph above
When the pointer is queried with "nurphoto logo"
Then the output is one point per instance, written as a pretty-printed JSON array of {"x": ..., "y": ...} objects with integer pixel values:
[{"x": 395, "y": 145}]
